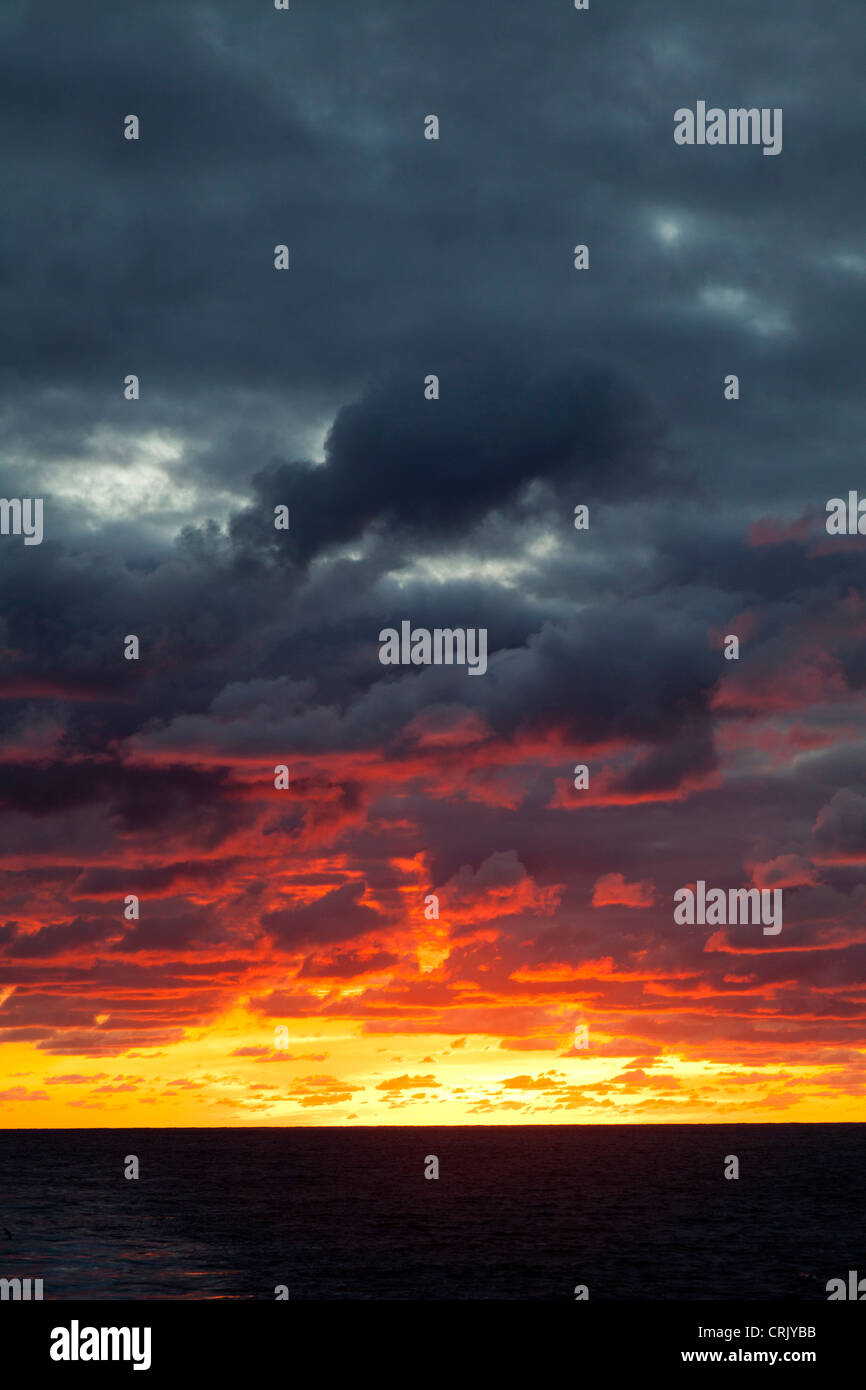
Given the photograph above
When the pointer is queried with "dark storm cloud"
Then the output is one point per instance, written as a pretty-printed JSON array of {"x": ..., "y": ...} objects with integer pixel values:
[
  {"x": 337, "y": 916},
  {"x": 557, "y": 387},
  {"x": 60, "y": 939},
  {"x": 346, "y": 965},
  {"x": 840, "y": 830},
  {"x": 107, "y": 882},
  {"x": 173, "y": 932},
  {"x": 139, "y": 800},
  {"x": 259, "y": 127},
  {"x": 444, "y": 256},
  {"x": 427, "y": 469}
]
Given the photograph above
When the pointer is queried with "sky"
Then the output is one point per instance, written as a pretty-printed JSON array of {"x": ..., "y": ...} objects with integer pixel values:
[{"x": 286, "y": 966}]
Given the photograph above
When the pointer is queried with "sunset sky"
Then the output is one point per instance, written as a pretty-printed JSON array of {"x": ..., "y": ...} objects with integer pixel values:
[{"x": 304, "y": 908}]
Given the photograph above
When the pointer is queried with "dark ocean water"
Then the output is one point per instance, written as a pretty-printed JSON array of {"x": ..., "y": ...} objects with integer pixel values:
[{"x": 517, "y": 1213}]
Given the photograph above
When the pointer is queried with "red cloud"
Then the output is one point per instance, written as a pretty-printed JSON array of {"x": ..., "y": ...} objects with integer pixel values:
[{"x": 612, "y": 889}]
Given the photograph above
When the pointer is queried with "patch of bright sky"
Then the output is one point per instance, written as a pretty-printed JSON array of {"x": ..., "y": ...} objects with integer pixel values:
[
  {"x": 669, "y": 232},
  {"x": 850, "y": 261},
  {"x": 134, "y": 478},
  {"x": 448, "y": 569},
  {"x": 731, "y": 302}
]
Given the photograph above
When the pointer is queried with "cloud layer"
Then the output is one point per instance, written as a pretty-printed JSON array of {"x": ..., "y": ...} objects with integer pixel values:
[{"x": 308, "y": 908}]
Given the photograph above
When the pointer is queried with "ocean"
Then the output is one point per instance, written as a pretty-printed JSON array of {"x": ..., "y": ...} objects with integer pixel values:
[{"x": 518, "y": 1212}]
